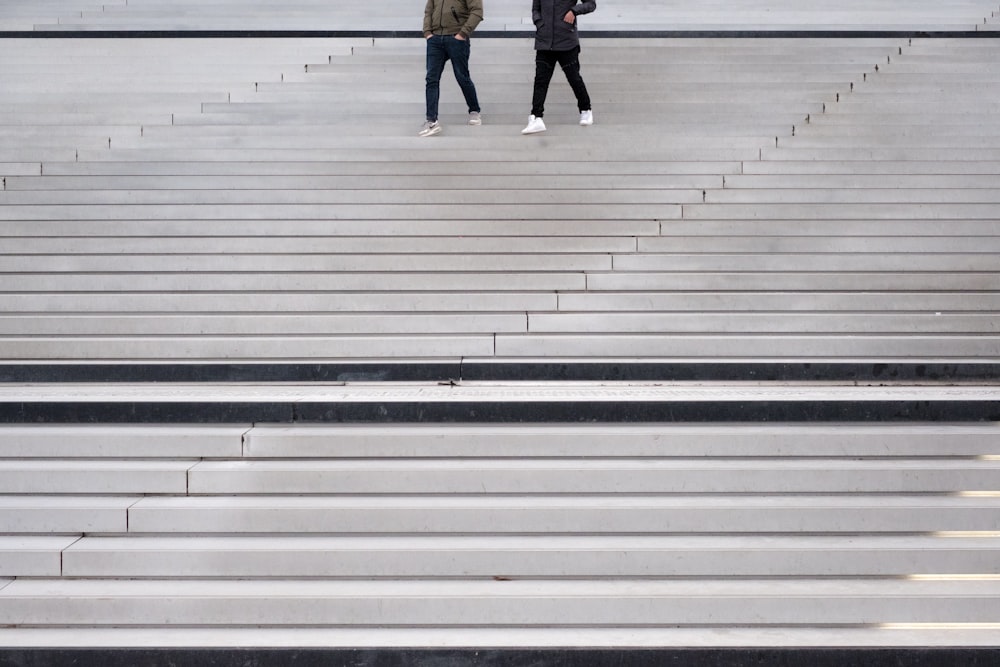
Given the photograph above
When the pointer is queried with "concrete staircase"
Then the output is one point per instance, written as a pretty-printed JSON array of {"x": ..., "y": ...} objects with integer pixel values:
[
  {"x": 279, "y": 376},
  {"x": 785, "y": 201},
  {"x": 503, "y": 16},
  {"x": 309, "y": 535}
]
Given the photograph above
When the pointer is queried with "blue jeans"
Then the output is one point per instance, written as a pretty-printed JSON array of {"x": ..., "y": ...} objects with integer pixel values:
[{"x": 441, "y": 49}]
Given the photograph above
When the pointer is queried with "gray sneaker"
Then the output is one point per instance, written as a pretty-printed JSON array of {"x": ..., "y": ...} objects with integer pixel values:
[
  {"x": 475, "y": 118},
  {"x": 430, "y": 128}
]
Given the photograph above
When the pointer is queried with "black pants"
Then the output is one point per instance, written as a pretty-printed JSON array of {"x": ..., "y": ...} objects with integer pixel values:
[{"x": 545, "y": 65}]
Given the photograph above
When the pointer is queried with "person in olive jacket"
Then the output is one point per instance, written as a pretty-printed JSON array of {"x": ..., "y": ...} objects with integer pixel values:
[
  {"x": 448, "y": 27},
  {"x": 558, "y": 41}
]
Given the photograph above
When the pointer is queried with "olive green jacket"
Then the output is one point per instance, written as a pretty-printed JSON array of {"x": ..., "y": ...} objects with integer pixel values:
[{"x": 450, "y": 17}]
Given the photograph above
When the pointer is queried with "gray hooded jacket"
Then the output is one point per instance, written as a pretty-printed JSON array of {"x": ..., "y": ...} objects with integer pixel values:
[{"x": 553, "y": 33}]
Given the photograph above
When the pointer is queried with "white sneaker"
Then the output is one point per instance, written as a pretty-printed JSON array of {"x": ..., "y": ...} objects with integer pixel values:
[
  {"x": 430, "y": 128},
  {"x": 534, "y": 125},
  {"x": 586, "y": 118},
  {"x": 475, "y": 118}
]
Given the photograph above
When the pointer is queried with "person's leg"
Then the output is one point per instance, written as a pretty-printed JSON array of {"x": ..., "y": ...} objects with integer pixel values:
[
  {"x": 459, "y": 51},
  {"x": 437, "y": 56},
  {"x": 570, "y": 63},
  {"x": 545, "y": 65}
]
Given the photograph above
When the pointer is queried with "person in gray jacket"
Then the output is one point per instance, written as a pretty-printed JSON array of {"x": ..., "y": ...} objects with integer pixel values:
[{"x": 557, "y": 41}]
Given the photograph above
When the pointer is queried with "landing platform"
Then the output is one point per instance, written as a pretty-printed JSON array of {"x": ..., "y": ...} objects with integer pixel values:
[
  {"x": 501, "y": 16},
  {"x": 490, "y": 402}
]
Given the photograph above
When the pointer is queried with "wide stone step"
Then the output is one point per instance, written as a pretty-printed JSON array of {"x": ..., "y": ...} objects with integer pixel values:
[
  {"x": 93, "y": 477},
  {"x": 944, "y": 141},
  {"x": 808, "y": 181},
  {"x": 354, "y": 167},
  {"x": 19, "y": 168},
  {"x": 499, "y": 345},
  {"x": 297, "y": 199},
  {"x": 473, "y": 441},
  {"x": 505, "y": 229},
  {"x": 381, "y": 124},
  {"x": 948, "y": 128},
  {"x": 64, "y": 133},
  {"x": 878, "y": 153},
  {"x": 517, "y": 603},
  {"x": 566, "y": 148},
  {"x": 775, "y": 323},
  {"x": 830, "y": 166},
  {"x": 384, "y": 227},
  {"x": 803, "y": 227},
  {"x": 115, "y": 116},
  {"x": 374, "y": 211},
  {"x": 776, "y": 301},
  {"x": 488, "y": 392},
  {"x": 675, "y": 242},
  {"x": 511, "y": 117},
  {"x": 532, "y": 556},
  {"x": 369, "y": 245},
  {"x": 113, "y": 74},
  {"x": 866, "y": 119},
  {"x": 908, "y": 97},
  {"x": 603, "y": 644},
  {"x": 459, "y": 262},
  {"x": 842, "y": 211},
  {"x": 54, "y": 101},
  {"x": 832, "y": 262},
  {"x": 54, "y": 514},
  {"x": 493, "y": 136},
  {"x": 159, "y": 56},
  {"x": 460, "y": 282},
  {"x": 595, "y": 476},
  {"x": 364, "y": 262},
  {"x": 772, "y": 346},
  {"x": 626, "y": 440},
  {"x": 837, "y": 136},
  {"x": 537, "y": 514},
  {"x": 511, "y": 54},
  {"x": 371, "y": 181},
  {"x": 360, "y": 346},
  {"x": 539, "y": 281},
  {"x": 33, "y": 555},
  {"x": 297, "y": 324},
  {"x": 272, "y": 112},
  {"x": 939, "y": 195},
  {"x": 252, "y": 301},
  {"x": 780, "y": 301},
  {"x": 801, "y": 281},
  {"x": 33, "y": 441},
  {"x": 240, "y": 347},
  {"x": 516, "y": 78},
  {"x": 762, "y": 345},
  {"x": 764, "y": 244},
  {"x": 501, "y": 96}
]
